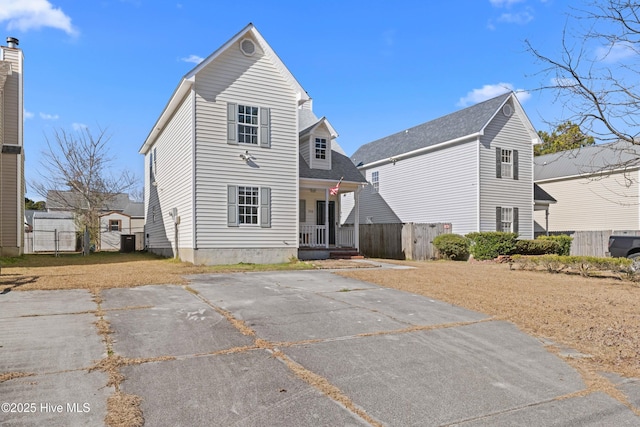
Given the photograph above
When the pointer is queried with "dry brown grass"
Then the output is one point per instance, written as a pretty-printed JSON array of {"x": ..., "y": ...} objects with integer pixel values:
[{"x": 596, "y": 316}]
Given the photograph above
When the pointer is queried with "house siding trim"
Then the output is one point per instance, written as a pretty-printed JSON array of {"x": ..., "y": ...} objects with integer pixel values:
[{"x": 422, "y": 150}]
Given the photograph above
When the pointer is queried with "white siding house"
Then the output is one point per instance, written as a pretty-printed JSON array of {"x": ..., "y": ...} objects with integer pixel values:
[
  {"x": 471, "y": 168},
  {"x": 228, "y": 161},
  {"x": 596, "y": 188},
  {"x": 12, "y": 151}
]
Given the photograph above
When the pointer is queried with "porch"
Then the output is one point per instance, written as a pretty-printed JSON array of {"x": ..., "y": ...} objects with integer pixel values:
[{"x": 320, "y": 232}]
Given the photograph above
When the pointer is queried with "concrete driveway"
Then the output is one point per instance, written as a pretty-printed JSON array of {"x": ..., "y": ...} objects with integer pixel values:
[{"x": 285, "y": 349}]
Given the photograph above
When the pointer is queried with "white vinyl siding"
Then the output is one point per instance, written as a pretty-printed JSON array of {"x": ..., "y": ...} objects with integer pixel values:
[
  {"x": 428, "y": 188},
  {"x": 314, "y": 160},
  {"x": 506, "y": 133},
  {"x": 236, "y": 78},
  {"x": 172, "y": 174},
  {"x": 583, "y": 204}
]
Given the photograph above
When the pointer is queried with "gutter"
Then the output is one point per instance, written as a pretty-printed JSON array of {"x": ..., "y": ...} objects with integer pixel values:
[{"x": 422, "y": 150}]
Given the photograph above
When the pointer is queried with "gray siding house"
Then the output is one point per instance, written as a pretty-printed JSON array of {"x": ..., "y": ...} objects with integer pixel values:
[
  {"x": 472, "y": 168},
  {"x": 12, "y": 152},
  {"x": 596, "y": 188},
  {"x": 239, "y": 169}
]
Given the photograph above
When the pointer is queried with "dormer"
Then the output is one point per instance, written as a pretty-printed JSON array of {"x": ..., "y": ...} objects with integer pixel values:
[{"x": 315, "y": 144}]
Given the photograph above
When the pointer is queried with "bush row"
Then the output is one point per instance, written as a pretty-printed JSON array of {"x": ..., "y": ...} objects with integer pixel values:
[
  {"x": 490, "y": 245},
  {"x": 585, "y": 265}
]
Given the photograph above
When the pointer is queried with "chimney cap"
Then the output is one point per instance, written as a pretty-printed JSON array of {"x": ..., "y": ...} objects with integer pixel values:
[{"x": 12, "y": 42}]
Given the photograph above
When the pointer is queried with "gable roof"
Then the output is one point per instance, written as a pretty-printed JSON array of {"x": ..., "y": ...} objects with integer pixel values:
[
  {"x": 468, "y": 122},
  {"x": 188, "y": 79},
  {"x": 541, "y": 196},
  {"x": 593, "y": 159},
  {"x": 63, "y": 200},
  {"x": 341, "y": 167}
]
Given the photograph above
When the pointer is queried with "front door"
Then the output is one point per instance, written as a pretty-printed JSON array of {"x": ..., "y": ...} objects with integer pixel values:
[{"x": 320, "y": 217}]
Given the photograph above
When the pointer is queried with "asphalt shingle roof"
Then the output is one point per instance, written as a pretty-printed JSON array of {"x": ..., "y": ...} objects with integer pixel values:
[
  {"x": 587, "y": 160},
  {"x": 455, "y": 125},
  {"x": 341, "y": 167}
]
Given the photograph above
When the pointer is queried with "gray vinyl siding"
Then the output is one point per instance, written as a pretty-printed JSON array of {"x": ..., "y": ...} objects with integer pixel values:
[
  {"x": 320, "y": 163},
  {"x": 255, "y": 81},
  {"x": 584, "y": 204},
  {"x": 11, "y": 131},
  {"x": 305, "y": 149},
  {"x": 508, "y": 133},
  {"x": 173, "y": 175},
  {"x": 438, "y": 186},
  {"x": 11, "y": 165}
]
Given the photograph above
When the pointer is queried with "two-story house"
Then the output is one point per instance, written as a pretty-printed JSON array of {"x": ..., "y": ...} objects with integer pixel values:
[
  {"x": 11, "y": 153},
  {"x": 239, "y": 169},
  {"x": 472, "y": 168}
]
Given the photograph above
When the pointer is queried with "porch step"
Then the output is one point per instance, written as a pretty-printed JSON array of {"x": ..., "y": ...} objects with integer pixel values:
[{"x": 345, "y": 254}]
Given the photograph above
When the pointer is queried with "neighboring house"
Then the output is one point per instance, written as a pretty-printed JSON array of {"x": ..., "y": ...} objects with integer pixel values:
[
  {"x": 472, "y": 168},
  {"x": 596, "y": 188},
  {"x": 114, "y": 224},
  {"x": 118, "y": 216},
  {"x": 239, "y": 169},
  {"x": 12, "y": 151}
]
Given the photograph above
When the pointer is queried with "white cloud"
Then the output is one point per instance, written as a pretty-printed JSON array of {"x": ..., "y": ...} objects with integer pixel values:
[
  {"x": 27, "y": 114},
  {"x": 79, "y": 126},
  {"x": 615, "y": 52},
  {"x": 504, "y": 3},
  {"x": 491, "y": 91},
  {"x": 193, "y": 58},
  {"x": 520, "y": 18},
  {"x": 46, "y": 116},
  {"x": 26, "y": 15}
]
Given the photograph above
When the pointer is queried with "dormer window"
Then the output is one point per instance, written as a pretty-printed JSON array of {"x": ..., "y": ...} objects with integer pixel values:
[{"x": 321, "y": 148}]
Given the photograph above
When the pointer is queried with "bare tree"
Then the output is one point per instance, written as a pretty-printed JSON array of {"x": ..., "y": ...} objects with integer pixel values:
[
  {"x": 596, "y": 75},
  {"x": 77, "y": 175}
]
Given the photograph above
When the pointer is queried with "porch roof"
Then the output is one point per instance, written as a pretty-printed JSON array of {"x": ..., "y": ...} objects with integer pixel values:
[{"x": 342, "y": 167}]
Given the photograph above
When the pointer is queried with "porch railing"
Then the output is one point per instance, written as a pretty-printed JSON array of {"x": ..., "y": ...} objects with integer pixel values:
[{"x": 313, "y": 235}]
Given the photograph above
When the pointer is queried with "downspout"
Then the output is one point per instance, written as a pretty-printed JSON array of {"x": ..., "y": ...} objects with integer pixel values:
[{"x": 356, "y": 220}]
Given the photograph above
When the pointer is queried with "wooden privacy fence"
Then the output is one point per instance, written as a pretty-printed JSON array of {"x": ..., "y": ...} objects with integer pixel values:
[
  {"x": 594, "y": 243},
  {"x": 401, "y": 241}
]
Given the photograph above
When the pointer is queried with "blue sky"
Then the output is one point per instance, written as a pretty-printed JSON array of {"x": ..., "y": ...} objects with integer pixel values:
[{"x": 373, "y": 68}]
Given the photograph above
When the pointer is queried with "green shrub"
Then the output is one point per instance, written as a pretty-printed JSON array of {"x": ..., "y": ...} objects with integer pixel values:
[
  {"x": 491, "y": 244},
  {"x": 585, "y": 265},
  {"x": 452, "y": 246},
  {"x": 536, "y": 247},
  {"x": 563, "y": 241}
]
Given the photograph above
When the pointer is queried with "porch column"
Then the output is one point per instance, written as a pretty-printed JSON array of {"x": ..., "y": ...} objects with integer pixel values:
[
  {"x": 326, "y": 218},
  {"x": 356, "y": 219}
]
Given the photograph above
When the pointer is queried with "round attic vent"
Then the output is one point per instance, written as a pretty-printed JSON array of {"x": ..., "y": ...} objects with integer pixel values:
[
  {"x": 248, "y": 47},
  {"x": 507, "y": 110}
]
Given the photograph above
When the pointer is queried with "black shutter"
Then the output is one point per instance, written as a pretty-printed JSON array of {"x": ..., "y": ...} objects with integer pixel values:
[
  {"x": 498, "y": 163},
  {"x": 515, "y": 164},
  {"x": 515, "y": 220},
  {"x": 498, "y": 218}
]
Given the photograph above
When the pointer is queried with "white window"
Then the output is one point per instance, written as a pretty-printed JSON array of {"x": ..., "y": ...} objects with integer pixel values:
[
  {"x": 247, "y": 124},
  {"x": 321, "y": 148},
  {"x": 375, "y": 181},
  {"x": 506, "y": 219},
  {"x": 115, "y": 225},
  {"x": 506, "y": 166},
  {"x": 248, "y": 205}
]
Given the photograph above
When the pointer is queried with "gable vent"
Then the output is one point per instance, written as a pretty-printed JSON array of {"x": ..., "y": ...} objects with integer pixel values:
[
  {"x": 507, "y": 110},
  {"x": 248, "y": 47}
]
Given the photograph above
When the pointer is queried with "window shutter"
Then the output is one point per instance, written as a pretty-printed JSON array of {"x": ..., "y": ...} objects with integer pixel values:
[
  {"x": 303, "y": 211},
  {"x": 498, "y": 162},
  {"x": 265, "y": 207},
  {"x": 232, "y": 121},
  {"x": 265, "y": 127},
  {"x": 515, "y": 164},
  {"x": 515, "y": 220},
  {"x": 498, "y": 218},
  {"x": 232, "y": 206}
]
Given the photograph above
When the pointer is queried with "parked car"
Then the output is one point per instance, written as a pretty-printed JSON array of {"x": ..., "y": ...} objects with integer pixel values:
[{"x": 624, "y": 247}]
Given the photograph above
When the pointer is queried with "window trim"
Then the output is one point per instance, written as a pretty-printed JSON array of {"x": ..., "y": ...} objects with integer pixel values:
[
  {"x": 514, "y": 224},
  {"x": 113, "y": 222},
  {"x": 375, "y": 181},
  {"x": 262, "y": 125},
  {"x": 263, "y": 207},
  {"x": 320, "y": 152}
]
